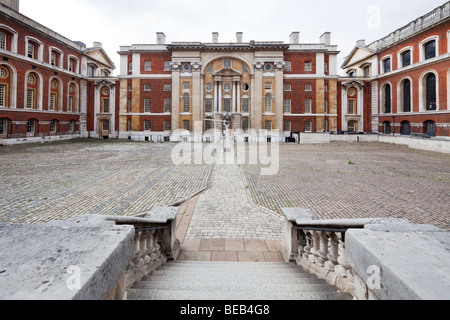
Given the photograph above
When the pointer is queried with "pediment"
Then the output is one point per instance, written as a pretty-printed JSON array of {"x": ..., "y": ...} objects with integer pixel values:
[
  {"x": 358, "y": 54},
  {"x": 227, "y": 72}
]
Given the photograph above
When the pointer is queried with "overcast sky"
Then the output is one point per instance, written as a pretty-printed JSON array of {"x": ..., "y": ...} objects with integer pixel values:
[{"x": 118, "y": 22}]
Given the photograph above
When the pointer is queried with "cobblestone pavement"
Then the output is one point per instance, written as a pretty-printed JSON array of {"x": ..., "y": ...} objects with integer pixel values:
[
  {"x": 358, "y": 181},
  {"x": 55, "y": 181},
  {"x": 224, "y": 211}
]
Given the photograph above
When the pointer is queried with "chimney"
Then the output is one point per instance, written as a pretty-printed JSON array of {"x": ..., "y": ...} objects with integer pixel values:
[
  {"x": 326, "y": 38},
  {"x": 295, "y": 37},
  {"x": 97, "y": 44},
  {"x": 215, "y": 37},
  {"x": 160, "y": 38},
  {"x": 361, "y": 43},
  {"x": 239, "y": 37}
]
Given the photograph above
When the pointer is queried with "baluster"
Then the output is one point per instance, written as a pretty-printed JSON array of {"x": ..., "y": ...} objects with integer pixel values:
[
  {"x": 343, "y": 266},
  {"x": 323, "y": 251},
  {"x": 314, "y": 257},
  {"x": 308, "y": 246},
  {"x": 334, "y": 252}
]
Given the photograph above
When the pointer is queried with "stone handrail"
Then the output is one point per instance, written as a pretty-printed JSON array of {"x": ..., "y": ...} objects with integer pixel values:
[
  {"x": 155, "y": 244},
  {"x": 380, "y": 258},
  {"x": 319, "y": 246}
]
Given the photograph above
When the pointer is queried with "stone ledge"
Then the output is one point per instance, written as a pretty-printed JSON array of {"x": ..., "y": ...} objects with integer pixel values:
[
  {"x": 413, "y": 259},
  {"x": 35, "y": 259}
]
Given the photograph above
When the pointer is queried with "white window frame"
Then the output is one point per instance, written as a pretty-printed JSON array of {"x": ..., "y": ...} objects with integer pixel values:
[
  {"x": 76, "y": 66},
  {"x": 382, "y": 61},
  {"x": 422, "y": 47},
  {"x": 268, "y": 103},
  {"x": 14, "y": 37},
  {"x": 148, "y": 65},
  {"x": 167, "y": 105},
  {"x": 147, "y": 87},
  {"x": 3, "y": 40},
  {"x": 3, "y": 95},
  {"x": 309, "y": 122},
  {"x": 54, "y": 51},
  {"x": 167, "y": 125},
  {"x": 147, "y": 105},
  {"x": 167, "y": 87},
  {"x": 287, "y": 105},
  {"x": 400, "y": 58},
  {"x": 147, "y": 125},
  {"x": 287, "y": 126},
  {"x": 308, "y": 105},
  {"x": 40, "y": 48},
  {"x": 308, "y": 65},
  {"x": 308, "y": 87}
]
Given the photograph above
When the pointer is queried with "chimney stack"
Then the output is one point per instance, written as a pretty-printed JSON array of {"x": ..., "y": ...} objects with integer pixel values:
[
  {"x": 326, "y": 38},
  {"x": 295, "y": 37},
  {"x": 239, "y": 37},
  {"x": 160, "y": 38},
  {"x": 215, "y": 37}
]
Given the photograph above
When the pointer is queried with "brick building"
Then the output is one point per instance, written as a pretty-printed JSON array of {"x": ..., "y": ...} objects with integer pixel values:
[
  {"x": 405, "y": 77},
  {"x": 51, "y": 87},
  {"x": 195, "y": 87}
]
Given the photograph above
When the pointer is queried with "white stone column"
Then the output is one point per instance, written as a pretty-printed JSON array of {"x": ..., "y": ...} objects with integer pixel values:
[
  {"x": 238, "y": 84},
  {"x": 234, "y": 98},
  {"x": 216, "y": 90},
  {"x": 220, "y": 97},
  {"x": 175, "y": 97}
]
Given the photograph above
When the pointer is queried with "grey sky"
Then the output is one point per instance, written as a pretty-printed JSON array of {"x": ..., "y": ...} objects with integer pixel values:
[{"x": 118, "y": 22}]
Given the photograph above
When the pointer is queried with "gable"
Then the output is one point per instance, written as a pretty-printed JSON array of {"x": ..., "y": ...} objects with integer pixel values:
[{"x": 357, "y": 54}]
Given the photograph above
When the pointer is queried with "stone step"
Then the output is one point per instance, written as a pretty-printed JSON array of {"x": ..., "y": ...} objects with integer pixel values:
[{"x": 232, "y": 295}]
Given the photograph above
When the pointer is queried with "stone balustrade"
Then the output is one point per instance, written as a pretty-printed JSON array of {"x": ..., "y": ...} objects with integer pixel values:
[{"x": 370, "y": 258}]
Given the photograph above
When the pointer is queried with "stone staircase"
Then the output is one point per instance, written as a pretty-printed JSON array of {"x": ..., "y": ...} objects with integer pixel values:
[{"x": 198, "y": 280}]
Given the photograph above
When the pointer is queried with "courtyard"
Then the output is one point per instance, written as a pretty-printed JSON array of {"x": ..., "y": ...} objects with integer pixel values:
[{"x": 44, "y": 182}]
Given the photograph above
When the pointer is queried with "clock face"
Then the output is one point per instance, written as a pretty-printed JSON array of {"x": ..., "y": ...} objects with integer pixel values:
[{"x": 352, "y": 92}]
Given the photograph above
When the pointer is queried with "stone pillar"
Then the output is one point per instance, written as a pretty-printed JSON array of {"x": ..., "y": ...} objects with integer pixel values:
[
  {"x": 257, "y": 94},
  {"x": 279, "y": 97},
  {"x": 196, "y": 97},
  {"x": 238, "y": 108},
  {"x": 175, "y": 97}
]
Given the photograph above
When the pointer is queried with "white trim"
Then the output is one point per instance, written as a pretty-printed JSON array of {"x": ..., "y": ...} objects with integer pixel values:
[
  {"x": 448, "y": 87},
  {"x": 399, "y": 56},
  {"x": 39, "y": 93},
  {"x": 77, "y": 67},
  {"x": 381, "y": 106},
  {"x": 59, "y": 106},
  {"x": 40, "y": 53},
  {"x": 399, "y": 95},
  {"x": 422, "y": 47},
  {"x": 448, "y": 41},
  {"x": 12, "y": 85},
  {"x": 15, "y": 36},
  {"x": 422, "y": 90},
  {"x": 382, "y": 60},
  {"x": 60, "y": 63}
]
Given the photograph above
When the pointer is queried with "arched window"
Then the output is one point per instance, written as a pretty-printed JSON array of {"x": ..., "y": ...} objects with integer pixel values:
[
  {"x": 3, "y": 39},
  {"x": 186, "y": 103},
  {"x": 33, "y": 90},
  {"x": 430, "y": 49},
  {"x": 405, "y": 128},
  {"x": 53, "y": 102},
  {"x": 387, "y": 98},
  {"x": 5, "y": 75},
  {"x": 429, "y": 128},
  {"x": 430, "y": 89},
  {"x": 406, "y": 95}
]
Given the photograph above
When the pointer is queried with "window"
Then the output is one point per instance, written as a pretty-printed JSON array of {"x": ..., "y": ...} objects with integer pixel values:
[
  {"x": 429, "y": 128},
  {"x": 52, "y": 104},
  {"x": 244, "y": 68},
  {"x": 308, "y": 66},
  {"x": 186, "y": 85},
  {"x": 406, "y": 58},
  {"x": 2, "y": 95},
  {"x": 105, "y": 126},
  {"x": 308, "y": 105},
  {"x": 147, "y": 105},
  {"x": 245, "y": 105},
  {"x": 148, "y": 66},
  {"x": 186, "y": 103},
  {"x": 2, "y": 41},
  {"x": 105, "y": 73},
  {"x": 268, "y": 104},
  {"x": 186, "y": 125},
  {"x": 3, "y": 126},
  {"x": 325, "y": 66},
  {"x": 30, "y": 99},
  {"x": 288, "y": 66},
  {"x": 351, "y": 106},
  {"x": 71, "y": 66},
  {"x": 210, "y": 68},
  {"x": 70, "y": 104},
  {"x": 245, "y": 124},
  {"x": 105, "y": 105},
  {"x": 352, "y": 126},
  {"x": 227, "y": 87},
  {"x": 308, "y": 87},
  {"x": 209, "y": 87},
  {"x": 147, "y": 87},
  {"x": 130, "y": 125},
  {"x": 30, "y": 50},
  {"x": 31, "y": 126},
  {"x": 130, "y": 87},
  {"x": 268, "y": 125},
  {"x": 287, "y": 87},
  {"x": 406, "y": 91},
  {"x": 208, "y": 105},
  {"x": 53, "y": 126},
  {"x": 167, "y": 66},
  {"x": 351, "y": 74},
  {"x": 387, "y": 65},
  {"x": 308, "y": 126},
  {"x": 431, "y": 98},
  {"x": 130, "y": 105},
  {"x": 167, "y": 125},
  {"x": 130, "y": 66},
  {"x": 227, "y": 105},
  {"x": 405, "y": 128},
  {"x": 287, "y": 106},
  {"x": 167, "y": 105},
  {"x": 91, "y": 71},
  {"x": 53, "y": 59},
  {"x": 366, "y": 71},
  {"x": 147, "y": 125},
  {"x": 430, "y": 49},
  {"x": 287, "y": 126},
  {"x": 208, "y": 124},
  {"x": 268, "y": 85},
  {"x": 245, "y": 87},
  {"x": 387, "y": 127},
  {"x": 325, "y": 107},
  {"x": 387, "y": 98}
]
